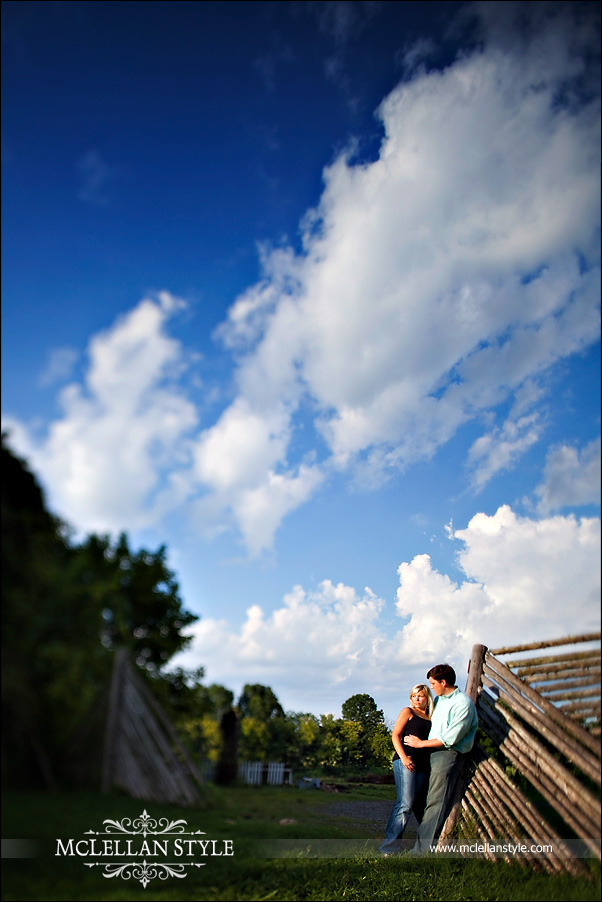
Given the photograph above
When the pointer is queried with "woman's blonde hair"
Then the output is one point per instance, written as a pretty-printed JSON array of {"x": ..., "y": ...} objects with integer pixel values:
[{"x": 427, "y": 691}]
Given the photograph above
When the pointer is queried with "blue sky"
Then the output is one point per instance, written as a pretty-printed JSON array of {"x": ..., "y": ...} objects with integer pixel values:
[{"x": 309, "y": 293}]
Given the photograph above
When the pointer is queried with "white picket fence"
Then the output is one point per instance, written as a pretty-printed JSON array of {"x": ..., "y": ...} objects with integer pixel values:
[{"x": 253, "y": 772}]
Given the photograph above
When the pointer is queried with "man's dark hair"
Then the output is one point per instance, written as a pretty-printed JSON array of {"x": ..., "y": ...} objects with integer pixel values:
[{"x": 443, "y": 672}]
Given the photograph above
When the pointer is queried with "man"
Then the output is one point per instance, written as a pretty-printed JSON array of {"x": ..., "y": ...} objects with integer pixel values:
[{"x": 453, "y": 729}]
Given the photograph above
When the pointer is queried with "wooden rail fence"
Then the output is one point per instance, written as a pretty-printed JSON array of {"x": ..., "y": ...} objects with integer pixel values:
[{"x": 539, "y": 719}]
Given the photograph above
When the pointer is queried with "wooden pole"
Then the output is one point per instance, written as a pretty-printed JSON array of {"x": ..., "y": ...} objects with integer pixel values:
[
  {"x": 113, "y": 714},
  {"x": 160, "y": 713},
  {"x": 584, "y": 825},
  {"x": 475, "y": 671},
  {"x": 503, "y": 828},
  {"x": 559, "y": 695},
  {"x": 484, "y": 827},
  {"x": 572, "y": 815},
  {"x": 568, "y": 640},
  {"x": 504, "y": 824},
  {"x": 536, "y": 828},
  {"x": 560, "y": 671},
  {"x": 501, "y": 672},
  {"x": 581, "y": 709},
  {"x": 574, "y": 790},
  {"x": 579, "y": 659},
  {"x": 569, "y": 747}
]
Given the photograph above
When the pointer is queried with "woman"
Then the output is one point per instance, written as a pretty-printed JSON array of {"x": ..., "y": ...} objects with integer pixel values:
[{"x": 410, "y": 765}]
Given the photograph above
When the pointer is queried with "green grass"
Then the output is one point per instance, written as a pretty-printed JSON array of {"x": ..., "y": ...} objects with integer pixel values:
[{"x": 251, "y": 818}]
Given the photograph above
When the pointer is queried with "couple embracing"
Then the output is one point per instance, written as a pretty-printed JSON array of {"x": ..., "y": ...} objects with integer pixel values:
[{"x": 430, "y": 737}]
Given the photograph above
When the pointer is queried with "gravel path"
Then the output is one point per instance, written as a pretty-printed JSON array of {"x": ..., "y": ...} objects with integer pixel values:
[{"x": 372, "y": 815}]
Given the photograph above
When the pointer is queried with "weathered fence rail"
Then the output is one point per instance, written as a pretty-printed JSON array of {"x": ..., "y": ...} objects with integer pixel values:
[{"x": 539, "y": 718}]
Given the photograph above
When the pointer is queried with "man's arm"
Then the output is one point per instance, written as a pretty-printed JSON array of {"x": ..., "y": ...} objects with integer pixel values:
[
  {"x": 423, "y": 743},
  {"x": 461, "y": 721}
]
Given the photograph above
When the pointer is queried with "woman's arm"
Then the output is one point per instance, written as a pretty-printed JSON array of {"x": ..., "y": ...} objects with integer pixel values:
[{"x": 404, "y": 716}]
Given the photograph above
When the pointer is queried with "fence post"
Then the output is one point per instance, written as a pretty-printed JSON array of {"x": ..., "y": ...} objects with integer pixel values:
[
  {"x": 473, "y": 685},
  {"x": 475, "y": 672},
  {"x": 114, "y": 713}
]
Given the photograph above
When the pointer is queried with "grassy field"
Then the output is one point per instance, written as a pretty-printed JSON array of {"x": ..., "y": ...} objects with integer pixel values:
[{"x": 256, "y": 821}]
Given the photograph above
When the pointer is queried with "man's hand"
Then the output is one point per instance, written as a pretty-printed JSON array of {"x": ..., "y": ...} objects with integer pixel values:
[{"x": 413, "y": 741}]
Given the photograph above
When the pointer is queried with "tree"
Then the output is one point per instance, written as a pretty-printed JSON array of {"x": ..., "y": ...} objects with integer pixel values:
[
  {"x": 198, "y": 711},
  {"x": 65, "y": 607},
  {"x": 362, "y": 709},
  {"x": 304, "y": 739},
  {"x": 34, "y": 556},
  {"x": 330, "y": 752},
  {"x": 137, "y": 596},
  {"x": 260, "y": 702},
  {"x": 263, "y": 726},
  {"x": 366, "y": 737}
]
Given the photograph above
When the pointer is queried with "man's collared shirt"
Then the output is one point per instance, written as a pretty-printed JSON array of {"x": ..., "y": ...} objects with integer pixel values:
[{"x": 454, "y": 721}]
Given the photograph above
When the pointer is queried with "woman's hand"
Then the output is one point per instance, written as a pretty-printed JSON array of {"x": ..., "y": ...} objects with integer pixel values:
[{"x": 408, "y": 763}]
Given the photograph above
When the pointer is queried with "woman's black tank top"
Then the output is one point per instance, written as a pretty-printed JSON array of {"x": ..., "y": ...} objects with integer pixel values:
[{"x": 416, "y": 726}]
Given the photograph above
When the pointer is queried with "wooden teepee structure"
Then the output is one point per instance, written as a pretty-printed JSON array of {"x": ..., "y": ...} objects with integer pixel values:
[{"x": 143, "y": 754}]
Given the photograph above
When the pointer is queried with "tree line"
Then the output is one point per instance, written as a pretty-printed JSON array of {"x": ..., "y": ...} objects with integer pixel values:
[
  {"x": 357, "y": 740},
  {"x": 67, "y": 605}
]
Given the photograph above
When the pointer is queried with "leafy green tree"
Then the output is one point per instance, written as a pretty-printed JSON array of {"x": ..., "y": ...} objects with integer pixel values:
[
  {"x": 197, "y": 711},
  {"x": 365, "y": 735},
  {"x": 138, "y": 598},
  {"x": 255, "y": 739},
  {"x": 362, "y": 709},
  {"x": 330, "y": 753},
  {"x": 65, "y": 607},
  {"x": 353, "y": 743},
  {"x": 34, "y": 555},
  {"x": 260, "y": 702},
  {"x": 217, "y": 698},
  {"x": 382, "y": 746},
  {"x": 304, "y": 739},
  {"x": 264, "y": 730}
]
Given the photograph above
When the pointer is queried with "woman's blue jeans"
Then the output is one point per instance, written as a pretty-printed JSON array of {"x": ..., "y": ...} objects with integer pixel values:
[{"x": 407, "y": 783}]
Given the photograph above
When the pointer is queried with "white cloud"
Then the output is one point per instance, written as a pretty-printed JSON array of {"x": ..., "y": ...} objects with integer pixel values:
[
  {"x": 571, "y": 478},
  {"x": 120, "y": 434},
  {"x": 436, "y": 282},
  {"x": 499, "y": 450},
  {"x": 260, "y": 510},
  {"x": 239, "y": 458},
  {"x": 320, "y": 647},
  {"x": 520, "y": 574},
  {"x": 441, "y": 279},
  {"x": 241, "y": 447},
  {"x": 59, "y": 366}
]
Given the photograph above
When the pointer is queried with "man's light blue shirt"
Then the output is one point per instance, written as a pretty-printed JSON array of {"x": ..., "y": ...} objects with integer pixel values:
[{"x": 454, "y": 721}]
